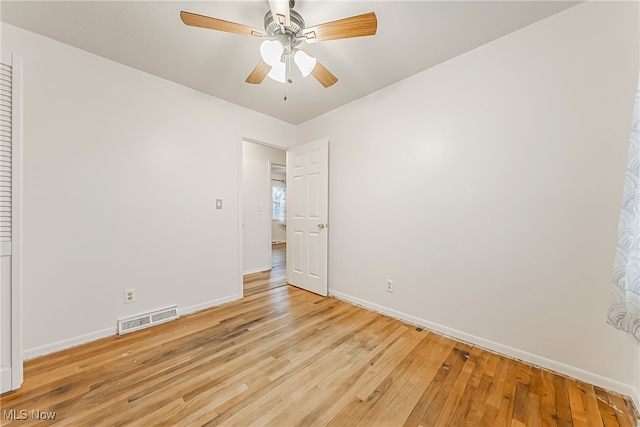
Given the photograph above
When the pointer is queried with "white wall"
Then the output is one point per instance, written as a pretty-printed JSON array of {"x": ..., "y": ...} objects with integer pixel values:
[
  {"x": 256, "y": 201},
  {"x": 489, "y": 188},
  {"x": 278, "y": 232},
  {"x": 121, "y": 173}
]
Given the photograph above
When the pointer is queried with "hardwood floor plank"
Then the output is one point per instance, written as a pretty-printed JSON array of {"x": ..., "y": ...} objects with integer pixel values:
[
  {"x": 520, "y": 402},
  {"x": 495, "y": 396},
  {"x": 203, "y": 406},
  {"x": 577, "y": 404},
  {"x": 563, "y": 406},
  {"x": 292, "y": 391},
  {"x": 481, "y": 392},
  {"x": 594, "y": 418},
  {"x": 400, "y": 380},
  {"x": 255, "y": 388},
  {"x": 285, "y": 357},
  {"x": 382, "y": 368},
  {"x": 534, "y": 400},
  {"x": 472, "y": 394},
  {"x": 504, "y": 414},
  {"x": 435, "y": 395},
  {"x": 548, "y": 400},
  {"x": 340, "y": 392},
  {"x": 605, "y": 408},
  {"x": 437, "y": 355},
  {"x": 376, "y": 380},
  {"x": 621, "y": 410},
  {"x": 456, "y": 408}
]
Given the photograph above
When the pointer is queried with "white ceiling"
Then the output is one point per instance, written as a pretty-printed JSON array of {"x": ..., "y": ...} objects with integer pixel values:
[{"x": 148, "y": 35}]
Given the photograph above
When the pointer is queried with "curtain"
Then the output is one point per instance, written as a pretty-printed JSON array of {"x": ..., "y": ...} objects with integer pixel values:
[{"x": 624, "y": 307}]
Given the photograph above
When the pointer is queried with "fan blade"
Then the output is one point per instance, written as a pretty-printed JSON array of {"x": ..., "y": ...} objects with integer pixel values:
[
  {"x": 259, "y": 73},
  {"x": 355, "y": 26},
  {"x": 280, "y": 12},
  {"x": 324, "y": 76},
  {"x": 202, "y": 21}
]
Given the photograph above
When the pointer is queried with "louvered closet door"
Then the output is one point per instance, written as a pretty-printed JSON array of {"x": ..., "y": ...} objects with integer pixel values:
[{"x": 6, "y": 294}]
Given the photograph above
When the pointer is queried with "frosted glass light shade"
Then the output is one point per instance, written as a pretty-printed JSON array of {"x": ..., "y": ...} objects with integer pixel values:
[
  {"x": 271, "y": 51},
  {"x": 278, "y": 71},
  {"x": 305, "y": 63}
]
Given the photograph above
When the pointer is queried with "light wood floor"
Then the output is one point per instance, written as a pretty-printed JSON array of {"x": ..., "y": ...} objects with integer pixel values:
[
  {"x": 277, "y": 276},
  {"x": 288, "y": 357}
]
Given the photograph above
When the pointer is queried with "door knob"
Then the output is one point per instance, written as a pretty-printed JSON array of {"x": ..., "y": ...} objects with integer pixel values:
[{"x": 321, "y": 226}]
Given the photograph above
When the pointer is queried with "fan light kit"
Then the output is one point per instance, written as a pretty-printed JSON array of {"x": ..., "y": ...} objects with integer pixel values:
[
  {"x": 272, "y": 53},
  {"x": 283, "y": 36}
]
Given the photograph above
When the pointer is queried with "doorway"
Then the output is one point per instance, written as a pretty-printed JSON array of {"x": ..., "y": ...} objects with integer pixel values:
[{"x": 263, "y": 217}]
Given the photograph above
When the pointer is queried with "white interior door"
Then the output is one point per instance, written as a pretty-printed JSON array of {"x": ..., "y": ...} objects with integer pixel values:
[{"x": 307, "y": 215}]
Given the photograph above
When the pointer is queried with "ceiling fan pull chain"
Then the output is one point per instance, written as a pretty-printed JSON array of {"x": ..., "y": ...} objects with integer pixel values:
[
  {"x": 288, "y": 64},
  {"x": 286, "y": 74},
  {"x": 285, "y": 90}
]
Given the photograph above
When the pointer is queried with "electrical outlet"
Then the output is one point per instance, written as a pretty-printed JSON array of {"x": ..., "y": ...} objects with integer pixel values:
[
  {"x": 129, "y": 296},
  {"x": 389, "y": 286}
]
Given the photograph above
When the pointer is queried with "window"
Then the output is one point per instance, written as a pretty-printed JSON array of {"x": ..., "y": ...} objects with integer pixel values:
[{"x": 278, "y": 199}]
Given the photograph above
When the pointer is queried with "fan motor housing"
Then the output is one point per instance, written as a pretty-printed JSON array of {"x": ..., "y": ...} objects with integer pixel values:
[{"x": 294, "y": 31}]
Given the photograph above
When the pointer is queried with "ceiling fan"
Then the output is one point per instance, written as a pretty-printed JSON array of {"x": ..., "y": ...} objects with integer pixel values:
[{"x": 284, "y": 32}]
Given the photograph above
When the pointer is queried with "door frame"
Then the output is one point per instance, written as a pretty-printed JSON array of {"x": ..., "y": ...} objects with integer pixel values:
[
  {"x": 270, "y": 226},
  {"x": 240, "y": 205},
  {"x": 17, "y": 373}
]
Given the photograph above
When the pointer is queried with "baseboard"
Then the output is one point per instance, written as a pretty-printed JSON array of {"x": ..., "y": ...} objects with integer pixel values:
[
  {"x": 68, "y": 343},
  {"x": 534, "y": 359},
  {"x": 257, "y": 270},
  {"x": 5, "y": 380},
  {"x": 203, "y": 306},
  {"x": 92, "y": 336}
]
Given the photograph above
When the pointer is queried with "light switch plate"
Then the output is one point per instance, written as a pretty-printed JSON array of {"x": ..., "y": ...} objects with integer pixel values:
[{"x": 218, "y": 203}]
